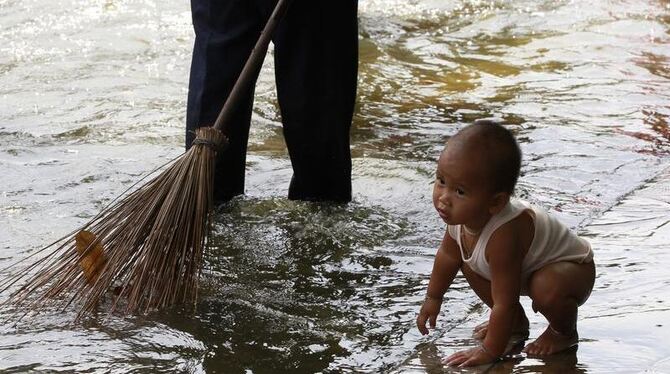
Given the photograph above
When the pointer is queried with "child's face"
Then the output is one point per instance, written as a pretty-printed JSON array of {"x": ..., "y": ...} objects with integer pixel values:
[{"x": 460, "y": 193}]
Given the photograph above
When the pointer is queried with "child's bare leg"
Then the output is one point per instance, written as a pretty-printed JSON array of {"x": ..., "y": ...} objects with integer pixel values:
[
  {"x": 557, "y": 290},
  {"x": 482, "y": 288}
]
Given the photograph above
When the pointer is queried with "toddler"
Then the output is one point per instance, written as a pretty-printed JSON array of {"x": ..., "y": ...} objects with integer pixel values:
[{"x": 504, "y": 247}]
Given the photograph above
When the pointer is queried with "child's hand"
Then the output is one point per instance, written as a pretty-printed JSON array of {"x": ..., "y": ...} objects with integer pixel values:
[
  {"x": 470, "y": 357},
  {"x": 429, "y": 311}
]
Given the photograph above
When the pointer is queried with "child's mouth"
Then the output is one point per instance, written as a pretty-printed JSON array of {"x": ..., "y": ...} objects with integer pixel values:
[{"x": 443, "y": 214}]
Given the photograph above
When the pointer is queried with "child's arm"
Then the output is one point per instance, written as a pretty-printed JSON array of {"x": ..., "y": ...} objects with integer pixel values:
[
  {"x": 505, "y": 257},
  {"x": 446, "y": 265}
]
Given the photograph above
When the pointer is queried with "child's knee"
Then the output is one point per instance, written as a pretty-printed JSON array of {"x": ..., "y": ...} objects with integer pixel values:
[
  {"x": 560, "y": 285},
  {"x": 546, "y": 289},
  {"x": 547, "y": 298}
]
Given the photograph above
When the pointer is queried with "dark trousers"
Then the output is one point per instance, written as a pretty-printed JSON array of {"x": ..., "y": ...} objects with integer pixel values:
[{"x": 316, "y": 61}]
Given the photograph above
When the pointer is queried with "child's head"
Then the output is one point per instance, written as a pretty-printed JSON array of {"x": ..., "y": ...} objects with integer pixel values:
[
  {"x": 502, "y": 155},
  {"x": 477, "y": 172}
]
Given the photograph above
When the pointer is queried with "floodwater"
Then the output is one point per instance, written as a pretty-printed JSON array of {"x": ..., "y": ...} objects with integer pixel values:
[{"x": 92, "y": 97}]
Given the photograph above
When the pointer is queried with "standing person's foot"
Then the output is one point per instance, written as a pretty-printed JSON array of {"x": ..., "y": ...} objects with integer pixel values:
[{"x": 550, "y": 342}]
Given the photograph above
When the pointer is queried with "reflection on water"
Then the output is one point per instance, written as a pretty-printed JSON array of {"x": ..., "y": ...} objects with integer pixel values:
[
  {"x": 287, "y": 280},
  {"x": 92, "y": 96}
]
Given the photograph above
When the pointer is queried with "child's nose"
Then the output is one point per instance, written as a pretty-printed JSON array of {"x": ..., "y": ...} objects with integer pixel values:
[{"x": 445, "y": 198}]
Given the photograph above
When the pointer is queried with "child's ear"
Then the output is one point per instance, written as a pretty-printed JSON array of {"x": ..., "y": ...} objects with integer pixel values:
[{"x": 498, "y": 202}]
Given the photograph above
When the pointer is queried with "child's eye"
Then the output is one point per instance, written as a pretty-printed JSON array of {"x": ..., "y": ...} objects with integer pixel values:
[
  {"x": 460, "y": 192},
  {"x": 440, "y": 181}
]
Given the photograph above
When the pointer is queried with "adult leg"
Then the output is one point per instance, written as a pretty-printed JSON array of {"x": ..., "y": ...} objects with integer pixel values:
[
  {"x": 225, "y": 33},
  {"x": 316, "y": 62},
  {"x": 482, "y": 288},
  {"x": 557, "y": 290}
]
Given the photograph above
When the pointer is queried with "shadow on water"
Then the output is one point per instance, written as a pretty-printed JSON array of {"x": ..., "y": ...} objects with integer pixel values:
[{"x": 430, "y": 361}]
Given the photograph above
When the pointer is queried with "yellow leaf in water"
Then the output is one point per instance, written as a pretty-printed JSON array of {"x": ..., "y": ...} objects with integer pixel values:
[{"x": 92, "y": 258}]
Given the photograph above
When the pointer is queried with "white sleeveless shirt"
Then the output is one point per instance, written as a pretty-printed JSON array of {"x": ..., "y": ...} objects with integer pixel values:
[{"x": 552, "y": 242}]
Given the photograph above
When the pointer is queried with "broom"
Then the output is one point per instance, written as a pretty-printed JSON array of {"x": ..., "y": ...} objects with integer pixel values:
[{"x": 146, "y": 247}]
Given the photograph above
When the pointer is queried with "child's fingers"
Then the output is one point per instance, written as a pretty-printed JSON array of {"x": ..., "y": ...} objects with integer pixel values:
[
  {"x": 421, "y": 324},
  {"x": 433, "y": 321},
  {"x": 455, "y": 359},
  {"x": 454, "y": 356},
  {"x": 468, "y": 362}
]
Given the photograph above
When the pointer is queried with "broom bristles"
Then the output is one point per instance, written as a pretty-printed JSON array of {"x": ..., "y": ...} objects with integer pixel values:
[{"x": 151, "y": 240}]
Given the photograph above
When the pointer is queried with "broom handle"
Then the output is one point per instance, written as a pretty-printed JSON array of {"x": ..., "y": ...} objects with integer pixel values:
[{"x": 254, "y": 62}]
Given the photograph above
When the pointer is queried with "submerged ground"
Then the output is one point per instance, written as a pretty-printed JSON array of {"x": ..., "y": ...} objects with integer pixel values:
[{"x": 92, "y": 96}]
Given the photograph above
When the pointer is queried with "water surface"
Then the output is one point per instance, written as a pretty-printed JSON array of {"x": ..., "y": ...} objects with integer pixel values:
[{"x": 92, "y": 96}]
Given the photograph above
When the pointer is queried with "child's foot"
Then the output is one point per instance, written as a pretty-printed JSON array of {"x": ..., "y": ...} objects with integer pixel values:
[
  {"x": 520, "y": 328},
  {"x": 550, "y": 342}
]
